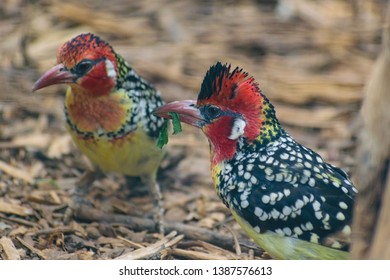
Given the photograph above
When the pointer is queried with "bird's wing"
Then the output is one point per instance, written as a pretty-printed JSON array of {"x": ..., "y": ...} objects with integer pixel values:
[{"x": 312, "y": 206}]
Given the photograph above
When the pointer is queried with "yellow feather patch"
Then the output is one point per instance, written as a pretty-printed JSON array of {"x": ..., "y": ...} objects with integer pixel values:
[
  {"x": 289, "y": 248},
  {"x": 215, "y": 170},
  {"x": 136, "y": 154}
]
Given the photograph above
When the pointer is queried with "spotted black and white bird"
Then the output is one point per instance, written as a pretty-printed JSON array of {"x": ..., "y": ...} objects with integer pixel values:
[
  {"x": 108, "y": 111},
  {"x": 284, "y": 195}
]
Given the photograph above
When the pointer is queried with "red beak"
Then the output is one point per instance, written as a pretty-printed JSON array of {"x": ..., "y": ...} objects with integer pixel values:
[
  {"x": 187, "y": 110},
  {"x": 56, "y": 75}
]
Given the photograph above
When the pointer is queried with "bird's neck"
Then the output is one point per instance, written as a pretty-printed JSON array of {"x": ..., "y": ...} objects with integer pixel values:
[
  {"x": 222, "y": 150},
  {"x": 123, "y": 70},
  {"x": 270, "y": 128}
]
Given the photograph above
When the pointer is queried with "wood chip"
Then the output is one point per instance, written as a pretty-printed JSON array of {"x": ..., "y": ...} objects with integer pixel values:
[
  {"x": 36, "y": 140},
  {"x": 194, "y": 255},
  {"x": 9, "y": 252},
  {"x": 210, "y": 248},
  {"x": 11, "y": 208},
  {"x": 114, "y": 242},
  {"x": 237, "y": 246},
  {"x": 18, "y": 220},
  {"x": 16, "y": 172},
  {"x": 45, "y": 197},
  {"x": 131, "y": 243},
  {"x": 20, "y": 230},
  {"x": 146, "y": 252},
  {"x": 57, "y": 230},
  {"x": 36, "y": 251},
  {"x": 60, "y": 146}
]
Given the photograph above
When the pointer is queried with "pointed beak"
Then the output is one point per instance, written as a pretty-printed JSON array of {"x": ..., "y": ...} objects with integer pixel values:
[
  {"x": 56, "y": 75},
  {"x": 186, "y": 109}
]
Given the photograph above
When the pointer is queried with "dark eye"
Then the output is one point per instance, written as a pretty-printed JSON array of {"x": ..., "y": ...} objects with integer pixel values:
[
  {"x": 212, "y": 112},
  {"x": 83, "y": 67}
]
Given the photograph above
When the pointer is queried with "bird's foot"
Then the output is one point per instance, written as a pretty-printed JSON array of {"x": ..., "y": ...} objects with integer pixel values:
[
  {"x": 80, "y": 191},
  {"x": 158, "y": 207},
  {"x": 158, "y": 215}
]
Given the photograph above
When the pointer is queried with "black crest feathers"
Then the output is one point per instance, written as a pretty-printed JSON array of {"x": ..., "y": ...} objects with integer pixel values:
[{"x": 214, "y": 74}]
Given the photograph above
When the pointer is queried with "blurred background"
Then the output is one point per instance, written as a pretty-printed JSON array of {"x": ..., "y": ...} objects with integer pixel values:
[{"x": 311, "y": 58}]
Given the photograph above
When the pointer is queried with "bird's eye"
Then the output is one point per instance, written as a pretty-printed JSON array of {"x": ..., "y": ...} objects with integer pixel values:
[
  {"x": 213, "y": 112},
  {"x": 83, "y": 67}
]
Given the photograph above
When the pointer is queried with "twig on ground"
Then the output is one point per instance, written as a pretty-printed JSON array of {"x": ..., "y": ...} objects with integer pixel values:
[
  {"x": 18, "y": 221},
  {"x": 36, "y": 251},
  {"x": 146, "y": 252},
  {"x": 60, "y": 229},
  {"x": 130, "y": 243},
  {"x": 195, "y": 255},
  {"x": 16, "y": 172},
  {"x": 237, "y": 246}
]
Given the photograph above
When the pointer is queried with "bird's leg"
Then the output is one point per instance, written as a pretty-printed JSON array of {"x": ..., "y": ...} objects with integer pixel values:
[
  {"x": 81, "y": 190},
  {"x": 158, "y": 208}
]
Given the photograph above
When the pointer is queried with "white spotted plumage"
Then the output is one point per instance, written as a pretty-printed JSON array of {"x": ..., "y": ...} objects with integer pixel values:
[{"x": 290, "y": 185}]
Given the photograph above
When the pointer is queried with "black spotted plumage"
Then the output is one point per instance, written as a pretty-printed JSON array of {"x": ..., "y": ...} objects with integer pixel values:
[
  {"x": 284, "y": 195},
  {"x": 272, "y": 182},
  {"x": 145, "y": 99},
  {"x": 279, "y": 186}
]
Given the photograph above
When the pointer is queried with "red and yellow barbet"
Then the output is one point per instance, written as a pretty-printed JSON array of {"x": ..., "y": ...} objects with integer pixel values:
[
  {"x": 108, "y": 109},
  {"x": 284, "y": 195}
]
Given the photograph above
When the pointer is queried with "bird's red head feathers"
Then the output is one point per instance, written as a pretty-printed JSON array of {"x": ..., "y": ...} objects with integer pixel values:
[
  {"x": 86, "y": 62},
  {"x": 230, "y": 105},
  {"x": 234, "y": 92},
  {"x": 84, "y": 46}
]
